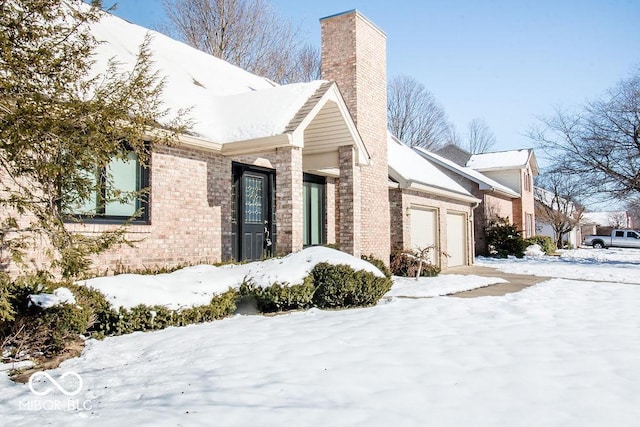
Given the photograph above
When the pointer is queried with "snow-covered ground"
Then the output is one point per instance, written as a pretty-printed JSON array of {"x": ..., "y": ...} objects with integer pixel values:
[
  {"x": 609, "y": 265},
  {"x": 563, "y": 352}
]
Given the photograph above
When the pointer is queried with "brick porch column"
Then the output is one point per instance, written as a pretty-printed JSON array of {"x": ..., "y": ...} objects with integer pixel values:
[
  {"x": 349, "y": 202},
  {"x": 288, "y": 199}
]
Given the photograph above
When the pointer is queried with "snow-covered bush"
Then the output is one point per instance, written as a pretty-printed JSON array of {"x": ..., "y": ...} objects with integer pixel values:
[
  {"x": 546, "y": 243},
  {"x": 504, "y": 239},
  {"x": 150, "y": 318},
  {"x": 340, "y": 286},
  {"x": 378, "y": 263},
  {"x": 280, "y": 297},
  {"x": 46, "y": 318},
  {"x": 407, "y": 266}
]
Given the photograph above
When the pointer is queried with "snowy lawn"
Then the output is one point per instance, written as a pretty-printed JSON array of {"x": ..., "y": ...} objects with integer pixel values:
[
  {"x": 609, "y": 265},
  {"x": 563, "y": 352}
]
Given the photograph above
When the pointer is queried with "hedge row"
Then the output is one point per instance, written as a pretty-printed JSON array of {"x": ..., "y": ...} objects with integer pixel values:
[{"x": 32, "y": 330}]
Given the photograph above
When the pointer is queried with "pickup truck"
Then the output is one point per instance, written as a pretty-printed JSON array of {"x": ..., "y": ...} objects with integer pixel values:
[{"x": 618, "y": 239}]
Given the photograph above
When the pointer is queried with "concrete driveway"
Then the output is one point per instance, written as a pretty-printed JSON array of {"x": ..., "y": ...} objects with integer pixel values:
[{"x": 515, "y": 282}]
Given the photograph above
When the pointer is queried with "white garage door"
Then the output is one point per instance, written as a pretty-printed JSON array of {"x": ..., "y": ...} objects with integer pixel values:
[
  {"x": 456, "y": 239},
  {"x": 424, "y": 230}
]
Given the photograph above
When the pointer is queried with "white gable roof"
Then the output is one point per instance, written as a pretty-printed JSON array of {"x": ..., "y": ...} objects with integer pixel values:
[
  {"x": 484, "y": 182},
  {"x": 513, "y": 159},
  {"x": 409, "y": 168},
  {"x": 227, "y": 103}
]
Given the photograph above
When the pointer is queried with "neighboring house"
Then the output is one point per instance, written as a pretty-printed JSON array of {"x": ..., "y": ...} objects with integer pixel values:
[
  {"x": 552, "y": 209},
  {"x": 495, "y": 199},
  {"x": 592, "y": 222},
  {"x": 428, "y": 208},
  {"x": 514, "y": 169}
]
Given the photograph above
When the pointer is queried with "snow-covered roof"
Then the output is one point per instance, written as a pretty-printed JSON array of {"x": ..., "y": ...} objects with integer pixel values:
[
  {"x": 512, "y": 159},
  {"x": 226, "y": 103},
  {"x": 409, "y": 168},
  {"x": 484, "y": 182}
]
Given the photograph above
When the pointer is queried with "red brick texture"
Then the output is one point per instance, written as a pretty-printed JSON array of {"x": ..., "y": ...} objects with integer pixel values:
[{"x": 354, "y": 56}]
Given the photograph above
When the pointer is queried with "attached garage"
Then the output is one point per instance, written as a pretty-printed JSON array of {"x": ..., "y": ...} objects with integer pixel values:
[
  {"x": 424, "y": 229},
  {"x": 428, "y": 208},
  {"x": 457, "y": 242}
]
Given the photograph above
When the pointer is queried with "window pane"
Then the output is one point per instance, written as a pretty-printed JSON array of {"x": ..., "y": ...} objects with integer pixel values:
[
  {"x": 88, "y": 205},
  {"x": 253, "y": 200},
  {"x": 123, "y": 181}
]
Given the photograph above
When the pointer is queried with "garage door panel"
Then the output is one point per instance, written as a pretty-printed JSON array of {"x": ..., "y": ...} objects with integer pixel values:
[
  {"x": 456, "y": 239},
  {"x": 424, "y": 230}
]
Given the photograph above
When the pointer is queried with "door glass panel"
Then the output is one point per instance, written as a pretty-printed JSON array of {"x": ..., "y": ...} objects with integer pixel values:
[
  {"x": 313, "y": 213},
  {"x": 253, "y": 200},
  {"x": 305, "y": 217},
  {"x": 316, "y": 225}
]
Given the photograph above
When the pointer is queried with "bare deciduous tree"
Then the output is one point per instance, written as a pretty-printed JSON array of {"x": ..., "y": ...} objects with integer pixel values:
[
  {"x": 557, "y": 196},
  {"x": 246, "y": 33},
  {"x": 414, "y": 115},
  {"x": 480, "y": 137},
  {"x": 601, "y": 141}
]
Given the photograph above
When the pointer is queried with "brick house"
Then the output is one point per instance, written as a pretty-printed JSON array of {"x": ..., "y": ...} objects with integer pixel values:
[
  {"x": 429, "y": 208},
  {"x": 514, "y": 169},
  {"x": 269, "y": 169},
  {"x": 495, "y": 199}
]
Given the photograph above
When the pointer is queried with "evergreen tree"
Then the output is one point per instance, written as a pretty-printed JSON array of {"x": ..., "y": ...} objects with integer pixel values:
[{"x": 60, "y": 123}]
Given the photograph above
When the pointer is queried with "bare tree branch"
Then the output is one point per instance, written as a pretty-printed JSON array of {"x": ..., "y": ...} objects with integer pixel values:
[
  {"x": 414, "y": 116},
  {"x": 480, "y": 137},
  {"x": 600, "y": 142},
  {"x": 246, "y": 33},
  {"x": 557, "y": 201}
]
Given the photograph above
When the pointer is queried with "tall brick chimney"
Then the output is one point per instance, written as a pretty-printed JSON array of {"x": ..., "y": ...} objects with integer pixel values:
[{"x": 354, "y": 56}]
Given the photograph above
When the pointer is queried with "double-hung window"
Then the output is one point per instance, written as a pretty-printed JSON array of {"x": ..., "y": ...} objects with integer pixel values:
[{"x": 117, "y": 196}]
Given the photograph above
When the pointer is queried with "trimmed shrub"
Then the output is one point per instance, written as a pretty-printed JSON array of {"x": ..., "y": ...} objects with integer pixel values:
[
  {"x": 504, "y": 239},
  {"x": 280, "y": 297},
  {"x": 378, "y": 263},
  {"x": 339, "y": 286},
  {"x": 152, "y": 318},
  {"x": 32, "y": 330},
  {"x": 405, "y": 266},
  {"x": 546, "y": 243}
]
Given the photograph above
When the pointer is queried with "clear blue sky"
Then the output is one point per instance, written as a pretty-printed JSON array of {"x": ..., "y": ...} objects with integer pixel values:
[{"x": 507, "y": 61}]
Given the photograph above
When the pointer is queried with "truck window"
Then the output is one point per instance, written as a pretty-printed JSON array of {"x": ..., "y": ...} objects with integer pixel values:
[
  {"x": 632, "y": 235},
  {"x": 619, "y": 233}
]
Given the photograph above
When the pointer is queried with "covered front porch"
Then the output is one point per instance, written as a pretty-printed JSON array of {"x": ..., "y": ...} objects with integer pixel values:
[{"x": 299, "y": 188}]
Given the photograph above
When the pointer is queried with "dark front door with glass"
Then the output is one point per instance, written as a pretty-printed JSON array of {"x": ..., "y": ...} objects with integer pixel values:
[{"x": 252, "y": 213}]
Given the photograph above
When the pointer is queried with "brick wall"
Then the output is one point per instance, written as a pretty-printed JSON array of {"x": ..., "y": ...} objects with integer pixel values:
[
  {"x": 525, "y": 205},
  {"x": 289, "y": 199},
  {"x": 354, "y": 56}
]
